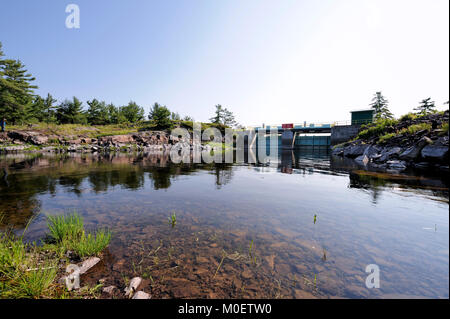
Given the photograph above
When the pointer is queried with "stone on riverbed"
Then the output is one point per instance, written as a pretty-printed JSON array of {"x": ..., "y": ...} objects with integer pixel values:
[
  {"x": 141, "y": 295},
  {"x": 396, "y": 165},
  {"x": 132, "y": 287},
  {"x": 88, "y": 264},
  {"x": 109, "y": 290}
]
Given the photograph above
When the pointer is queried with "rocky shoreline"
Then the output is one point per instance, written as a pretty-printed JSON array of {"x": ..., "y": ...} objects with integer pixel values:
[
  {"x": 403, "y": 150},
  {"x": 32, "y": 141}
]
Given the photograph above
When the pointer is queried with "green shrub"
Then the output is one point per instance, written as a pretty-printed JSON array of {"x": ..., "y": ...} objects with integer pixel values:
[
  {"x": 412, "y": 129},
  {"x": 376, "y": 129},
  {"x": 444, "y": 128},
  {"x": 383, "y": 139},
  {"x": 408, "y": 117}
]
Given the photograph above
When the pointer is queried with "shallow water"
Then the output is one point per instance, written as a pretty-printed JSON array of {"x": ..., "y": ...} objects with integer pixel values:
[{"x": 398, "y": 222}]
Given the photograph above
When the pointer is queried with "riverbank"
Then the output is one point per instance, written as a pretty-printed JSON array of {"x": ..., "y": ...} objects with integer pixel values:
[
  {"x": 418, "y": 142},
  {"x": 102, "y": 138},
  {"x": 18, "y": 141},
  {"x": 31, "y": 270}
]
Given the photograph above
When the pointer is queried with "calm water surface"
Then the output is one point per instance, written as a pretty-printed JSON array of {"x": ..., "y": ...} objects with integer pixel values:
[{"x": 398, "y": 222}]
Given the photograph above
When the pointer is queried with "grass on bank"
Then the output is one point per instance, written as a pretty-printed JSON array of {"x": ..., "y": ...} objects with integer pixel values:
[
  {"x": 96, "y": 131},
  {"x": 30, "y": 271}
]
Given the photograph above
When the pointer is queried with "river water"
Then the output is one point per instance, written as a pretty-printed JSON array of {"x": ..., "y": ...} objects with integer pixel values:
[{"x": 244, "y": 230}]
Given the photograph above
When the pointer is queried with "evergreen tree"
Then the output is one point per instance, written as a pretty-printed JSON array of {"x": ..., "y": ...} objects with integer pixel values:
[
  {"x": 115, "y": 116},
  {"x": 50, "y": 109},
  {"x": 426, "y": 106},
  {"x": 380, "y": 105},
  {"x": 97, "y": 113},
  {"x": 132, "y": 112},
  {"x": 160, "y": 116},
  {"x": 16, "y": 90},
  {"x": 71, "y": 112},
  {"x": 228, "y": 118},
  {"x": 175, "y": 116},
  {"x": 223, "y": 116},
  {"x": 217, "y": 118},
  {"x": 36, "y": 111}
]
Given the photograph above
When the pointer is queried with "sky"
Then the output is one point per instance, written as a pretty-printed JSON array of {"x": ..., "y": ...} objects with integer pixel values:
[{"x": 272, "y": 62}]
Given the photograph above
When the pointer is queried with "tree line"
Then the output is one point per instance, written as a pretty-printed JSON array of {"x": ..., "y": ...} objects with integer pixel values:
[
  {"x": 380, "y": 105},
  {"x": 19, "y": 104}
]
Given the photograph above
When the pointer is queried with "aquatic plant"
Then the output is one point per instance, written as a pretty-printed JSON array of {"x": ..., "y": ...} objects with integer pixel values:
[
  {"x": 224, "y": 254},
  {"x": 173, "y": 220},
  {"x": 324, "y": 257},
  {"x": 91, "y": 244},
  {"x": 68, "y": 233},
  {"x": 65, "y": 227}
]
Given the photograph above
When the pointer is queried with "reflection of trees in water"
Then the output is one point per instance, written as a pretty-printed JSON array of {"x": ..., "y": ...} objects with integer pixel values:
[
  {"x": 17, "y": 196},
  {"x": 223, "y": 173},
  {"x": 373, "y": 185},
  {"x": 23, "y": 179}
]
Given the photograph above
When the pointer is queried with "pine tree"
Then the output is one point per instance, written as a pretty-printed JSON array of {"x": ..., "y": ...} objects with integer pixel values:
[
  {"x": 50, "y": 109},
  {"x": 97, "y": 113},
  {"x": 217, "y": 118},
  {"x": 160, "y": 116},
  {"x": 71, "y": 112},
  {"x": 132, "y": 112},
  {"x": 16, "y": 90},
  {"x": 36, "y": 111},
  {"x": 228, "y": 118},
  {"x": 223, "y": 116},
  {"x": 380, "y": 105},
  {"x": 426, "y": 106}
]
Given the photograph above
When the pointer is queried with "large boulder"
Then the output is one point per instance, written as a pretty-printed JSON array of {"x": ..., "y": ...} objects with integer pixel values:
[
  {"x": 354, "y": 151},
  {"x": 434, "y": 152},
  {"x": 413, "y": 152},
  {"x": 387, "y": 153}
]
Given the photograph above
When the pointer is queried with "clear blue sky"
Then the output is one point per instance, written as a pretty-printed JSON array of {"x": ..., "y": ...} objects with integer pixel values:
[{"x": 267, "y": 61}]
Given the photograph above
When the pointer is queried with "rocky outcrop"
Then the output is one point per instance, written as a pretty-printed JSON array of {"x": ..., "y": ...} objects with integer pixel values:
[
  {"x": 147, "y": 141},
  {"x": 423, "y": 149}
]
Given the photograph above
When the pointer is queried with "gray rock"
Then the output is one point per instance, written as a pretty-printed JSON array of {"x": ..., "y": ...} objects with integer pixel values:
[
  {"x": 141, "y": 295},
  {"x": 389, "y": 153},
  {"x": 435, "y": 152},
  {"x": 88, "y": 264},
  {"x": 396, "y": 165},
  {"x": 414, "y": 151},
  {"x": 109, "y": 289},
  {"x": 338, "y": 151},
  {"x": 354, "y": 151},
  {"x": 132, "y": 287}
]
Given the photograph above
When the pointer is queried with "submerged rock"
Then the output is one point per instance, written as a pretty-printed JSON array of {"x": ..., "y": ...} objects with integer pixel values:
[
  {"x": 141, "y": 295},
  {"x": 109, "y": 290},
  {"x": 132, "y": 287}
]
